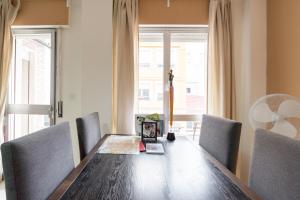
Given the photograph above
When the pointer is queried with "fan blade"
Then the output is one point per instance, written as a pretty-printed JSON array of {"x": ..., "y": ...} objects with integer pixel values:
[
  {"x": 289, "y": 108},
  {"x": 285, "y": 128},
  {"x": 262, "y": 113}
]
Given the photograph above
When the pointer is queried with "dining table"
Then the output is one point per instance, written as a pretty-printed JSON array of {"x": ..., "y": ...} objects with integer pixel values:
[{"x": 185, "y": 171}]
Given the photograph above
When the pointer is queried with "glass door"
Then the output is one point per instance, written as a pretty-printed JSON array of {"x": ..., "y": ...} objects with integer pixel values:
[
  {"x": 31, "y": 94},
  {"x": 188, "y": 55},
  {"x": 150, "y": 73},
  {"x": 184, "y": 50}
]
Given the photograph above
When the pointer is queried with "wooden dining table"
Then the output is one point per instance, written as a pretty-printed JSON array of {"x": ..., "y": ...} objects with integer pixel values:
[{"x": 184, "y": 172}]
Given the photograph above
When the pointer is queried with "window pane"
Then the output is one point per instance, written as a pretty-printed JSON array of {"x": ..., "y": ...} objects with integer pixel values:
[
  {"x": 17, "y": 125},
  {"x": 191, "y": 129},
  {"x": 31, "y": 80},
  {"x": 31, "y": 72},
  {"x": 186, "y": 127},
  {"x": 38, "y": 122},
  {"x": 23, "y": 124},
  {"x": 189, "y": 61},
  {"x": 150, "y": 77}
]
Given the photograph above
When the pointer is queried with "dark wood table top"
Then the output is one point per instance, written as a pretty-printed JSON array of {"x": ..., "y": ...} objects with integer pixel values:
[{"x": 185, "y": 171}]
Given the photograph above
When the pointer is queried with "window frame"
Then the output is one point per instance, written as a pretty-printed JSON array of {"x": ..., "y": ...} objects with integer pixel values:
[
  {"x": 50, "y": 109},
  {"x": 167, "y": 31}
]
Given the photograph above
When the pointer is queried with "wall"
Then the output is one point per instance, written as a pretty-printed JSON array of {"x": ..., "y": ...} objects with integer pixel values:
[
  {"x": 249, "y": 38},
  {"x": 180, "y": 12},
  {"x": 85, "y": 81},
  {"x": 43, "y": 12},
  {"x": 97, "y": 60},
  {"x": 69, "y": 80},
  {"x": 284, "y": 47}
]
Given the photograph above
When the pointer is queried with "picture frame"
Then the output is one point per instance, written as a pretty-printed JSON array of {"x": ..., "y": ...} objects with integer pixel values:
[
  {"x": 160, "y": 128},
  {"x": 139, "y": 119},
  {"x": 149, "y": 131}
]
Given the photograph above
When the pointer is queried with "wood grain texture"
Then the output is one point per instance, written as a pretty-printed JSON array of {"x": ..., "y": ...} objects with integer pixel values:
[
  {"x": 63, "y": 187},
  {"x": 185, "y": 171}
]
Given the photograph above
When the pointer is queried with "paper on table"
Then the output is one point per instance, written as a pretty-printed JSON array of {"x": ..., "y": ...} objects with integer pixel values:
[
  {"x": 115, "y": 144},
  {"x": 154, "y": 148}
]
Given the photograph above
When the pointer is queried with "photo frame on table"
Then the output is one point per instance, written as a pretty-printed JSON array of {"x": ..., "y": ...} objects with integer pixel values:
[
  {"x": 149, "y": 131},
  {"x": 160, "y": 128},
  {"x": 139, "y": 119}
]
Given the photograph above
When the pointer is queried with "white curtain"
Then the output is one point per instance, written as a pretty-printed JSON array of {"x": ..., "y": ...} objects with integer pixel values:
[
  {"x": 221, "y": 78},
  {"x": 8, "y": 13},
  {"x": 125, "y": 43}
]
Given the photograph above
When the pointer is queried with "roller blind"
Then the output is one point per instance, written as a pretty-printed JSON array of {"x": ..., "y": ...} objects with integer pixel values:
[
  {"x": 180, "y": 12},
  {"x": 43, "y": 12}
]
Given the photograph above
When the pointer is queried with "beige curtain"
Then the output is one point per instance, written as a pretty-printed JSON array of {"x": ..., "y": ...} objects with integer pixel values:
[
  {"x": 8, "y": 12},
  {"x": 221, "y": 78},
  {"x": 125, "y": 43}
]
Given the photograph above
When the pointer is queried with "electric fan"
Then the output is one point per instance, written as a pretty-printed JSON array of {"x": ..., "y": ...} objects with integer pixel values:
[{"x": 279, "y": 113}]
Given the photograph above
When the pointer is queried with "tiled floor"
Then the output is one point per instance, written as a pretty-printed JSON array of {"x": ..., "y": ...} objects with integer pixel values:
[{"x": 2, "y": 191}]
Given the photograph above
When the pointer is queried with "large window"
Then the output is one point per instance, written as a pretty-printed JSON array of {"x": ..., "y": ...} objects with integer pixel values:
[
  {"x": 30, "y": 102},
  {"x": 184, "y": 50}
]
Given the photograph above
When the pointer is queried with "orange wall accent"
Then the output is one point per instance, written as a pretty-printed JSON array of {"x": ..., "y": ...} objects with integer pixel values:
[
  {"x": 180, "y": 12},
  {"x": 283, "y": 71},
  {"x": 43, "y": 12}
]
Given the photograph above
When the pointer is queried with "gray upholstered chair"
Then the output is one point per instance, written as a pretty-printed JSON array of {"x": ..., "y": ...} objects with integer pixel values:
[
  {"x": 221, "y": 137},
  {"x": 275, "y": 167},
  {"x": 88, "y": 129},
  {"x": 34, "y": 165}
]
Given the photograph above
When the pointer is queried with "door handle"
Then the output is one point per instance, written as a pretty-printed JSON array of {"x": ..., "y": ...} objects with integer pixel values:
[{"x": 60, "y": 109}]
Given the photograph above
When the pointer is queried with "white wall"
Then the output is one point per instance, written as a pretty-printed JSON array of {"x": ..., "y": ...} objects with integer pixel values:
[
  {"x": 250, "y": 56},
  {"x": 97, "y": 60},
  {"x": 85, "y": 72}
]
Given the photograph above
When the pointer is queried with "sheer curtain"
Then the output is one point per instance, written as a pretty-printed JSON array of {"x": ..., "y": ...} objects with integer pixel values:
[
  {"x": 221, "y": 78},
  {"x": 8, "y": 13},
  {"x": 125, "y": 43}
]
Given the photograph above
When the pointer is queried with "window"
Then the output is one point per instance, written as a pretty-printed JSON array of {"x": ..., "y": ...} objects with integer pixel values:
[
  {"x": 158, "y": 90},
  {"x": 149, "y": 77},
  {"x": 143, "y": 94},
  {"x": 144, "y": 91},
  {"x": 188, "y": 90},
  {"x": 184, "y": 50},
  {"x": 174, "y": 57},
  {"x": 144, "y": 57},
  {"x": 159, "y": 57},
  {"x": 30, "y": 102}
]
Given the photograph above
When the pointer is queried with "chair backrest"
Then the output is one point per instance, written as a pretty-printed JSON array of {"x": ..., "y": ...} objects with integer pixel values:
[
  {"x": 221, "y": 138},
  {"x": 275, "y": 167},
  {"x": 34, "y": 165},
  {"x": 88, "y": 129}
]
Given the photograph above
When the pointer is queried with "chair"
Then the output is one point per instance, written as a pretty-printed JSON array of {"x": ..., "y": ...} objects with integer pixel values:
[
  {"x": 221, "y": 137},
  {"x": 34, "y": 165},
  {"x": 274, "y": 171},
  {"x": 88, "y": 129}
]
